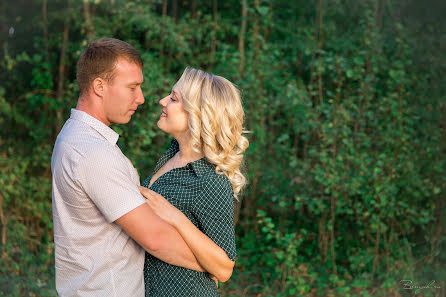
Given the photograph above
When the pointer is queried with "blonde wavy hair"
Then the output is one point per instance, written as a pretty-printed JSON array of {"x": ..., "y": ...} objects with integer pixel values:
[{"x": 215, "y": 122}]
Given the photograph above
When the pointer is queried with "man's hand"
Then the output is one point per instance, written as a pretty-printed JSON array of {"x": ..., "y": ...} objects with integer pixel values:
[{"x": 158, "y": 237}]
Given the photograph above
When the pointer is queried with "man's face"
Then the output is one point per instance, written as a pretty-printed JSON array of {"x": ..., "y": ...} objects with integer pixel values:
[{"x": 123, "y": 94}]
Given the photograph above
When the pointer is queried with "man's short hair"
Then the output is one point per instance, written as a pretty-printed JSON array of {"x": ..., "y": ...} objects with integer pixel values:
[{"x": 99, "y": 60}]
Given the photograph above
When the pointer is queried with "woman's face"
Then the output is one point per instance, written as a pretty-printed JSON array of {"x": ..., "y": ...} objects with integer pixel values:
[{"x": 173, "y": 119}]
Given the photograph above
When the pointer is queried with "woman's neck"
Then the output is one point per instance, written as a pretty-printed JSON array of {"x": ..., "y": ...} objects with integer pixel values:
[{"x": 186, "y": 153}]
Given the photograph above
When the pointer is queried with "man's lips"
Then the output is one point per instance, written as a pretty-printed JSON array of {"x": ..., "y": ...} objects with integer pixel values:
[{"x": 163, "y": 115}]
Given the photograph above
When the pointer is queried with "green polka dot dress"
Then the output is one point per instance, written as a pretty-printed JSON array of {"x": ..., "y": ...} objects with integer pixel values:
[{"x": 206, "y": 198}]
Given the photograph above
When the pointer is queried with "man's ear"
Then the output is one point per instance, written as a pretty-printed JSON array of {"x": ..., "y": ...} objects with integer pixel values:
[{"x": 99, "y": 86}]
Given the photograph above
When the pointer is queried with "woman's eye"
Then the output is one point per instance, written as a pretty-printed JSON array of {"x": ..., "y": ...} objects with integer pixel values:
[{"x": 172, "y": 99}]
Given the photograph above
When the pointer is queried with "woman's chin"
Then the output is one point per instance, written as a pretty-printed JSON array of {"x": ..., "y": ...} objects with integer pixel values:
[{"x": 160, "y": 126}]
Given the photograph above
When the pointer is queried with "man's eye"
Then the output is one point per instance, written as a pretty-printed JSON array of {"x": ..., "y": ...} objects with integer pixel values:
[{"x": 172, "y": 99}]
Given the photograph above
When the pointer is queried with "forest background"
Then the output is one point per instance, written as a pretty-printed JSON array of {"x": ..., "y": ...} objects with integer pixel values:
[{"x": 345, "y": 101}]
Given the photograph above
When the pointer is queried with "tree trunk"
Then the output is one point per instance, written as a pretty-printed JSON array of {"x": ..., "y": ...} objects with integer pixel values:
[
  {"x": 164, "y": 18},
  {"x": 316, "y": 38},
  {"x": 256, "y": 35},
  {"x": 61, "y": 77},
  {"x": 214, "y": 35},
  {"x": 193, "y": 8},
  {"x": 45, "y": 29},
  {"x": 164, "y": 8},
  {"x": 320, "y": 56},
  {"x": 88, "y": 24},
  {"x": 332, "y": 236},
  {"x": 47, "y": 56},
  {"x": 247, "y": 204},
  {"x": 241, "y": 40},
  {"x": 322, "y": 238},
  {"x": 237, "y": 204},
  {"x": 3, "y": 222},
  {"x": 375, "y": 258},
  {"x": 175, "y": 10}
]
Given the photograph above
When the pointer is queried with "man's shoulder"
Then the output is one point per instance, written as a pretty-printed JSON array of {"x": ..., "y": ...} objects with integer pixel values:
[
  {"x": 77, "y": 143},
  {"x": 79, "y": 134}
]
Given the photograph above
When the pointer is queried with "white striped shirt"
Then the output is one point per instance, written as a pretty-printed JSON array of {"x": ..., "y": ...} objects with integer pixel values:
[{"x": 93, "y": 185}]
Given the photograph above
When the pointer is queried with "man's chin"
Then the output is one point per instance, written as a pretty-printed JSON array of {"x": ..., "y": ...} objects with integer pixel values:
[{"x": 123, "y": 120}]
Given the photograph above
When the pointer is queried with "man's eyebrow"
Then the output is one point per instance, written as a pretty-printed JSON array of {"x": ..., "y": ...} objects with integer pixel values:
[{"x": 135, "y": 83}]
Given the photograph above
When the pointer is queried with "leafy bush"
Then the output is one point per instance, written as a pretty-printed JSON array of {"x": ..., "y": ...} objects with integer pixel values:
[{"x": 345, "y": 103}]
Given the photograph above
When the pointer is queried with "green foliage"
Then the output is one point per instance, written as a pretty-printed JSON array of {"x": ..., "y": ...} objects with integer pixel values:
[{"x": 345, "y": 104}]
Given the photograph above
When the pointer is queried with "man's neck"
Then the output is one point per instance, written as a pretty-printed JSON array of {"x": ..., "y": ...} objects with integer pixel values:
[{"x": 86, "y": 106}]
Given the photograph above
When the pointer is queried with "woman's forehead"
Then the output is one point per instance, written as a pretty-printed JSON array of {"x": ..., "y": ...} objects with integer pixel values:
[{"x": 176, "y": 91}]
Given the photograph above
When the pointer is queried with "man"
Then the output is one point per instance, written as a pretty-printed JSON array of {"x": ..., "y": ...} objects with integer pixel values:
[{"x": 98, "y": 211}]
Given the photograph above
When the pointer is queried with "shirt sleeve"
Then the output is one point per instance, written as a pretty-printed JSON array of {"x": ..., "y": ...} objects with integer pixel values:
[
  {"x": 215, "y": 212},
  {"x": 111, "y": 182}
]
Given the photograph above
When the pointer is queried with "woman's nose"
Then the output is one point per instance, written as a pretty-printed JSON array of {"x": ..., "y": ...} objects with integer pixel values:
[{"x": 163, "y": 102}]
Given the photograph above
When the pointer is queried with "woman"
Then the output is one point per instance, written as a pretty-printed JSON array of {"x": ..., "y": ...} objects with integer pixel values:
[{"x": 199, "y": 175}]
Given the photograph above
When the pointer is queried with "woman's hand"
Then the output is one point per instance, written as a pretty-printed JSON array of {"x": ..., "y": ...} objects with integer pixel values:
[
  {"x": 161, "y": 206},
  {"x": 214, "y": 278},
  {"x": 209, "y": 255}
]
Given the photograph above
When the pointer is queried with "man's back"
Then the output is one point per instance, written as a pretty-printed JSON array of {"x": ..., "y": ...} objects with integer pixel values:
[{"x": 93, "y": 185}]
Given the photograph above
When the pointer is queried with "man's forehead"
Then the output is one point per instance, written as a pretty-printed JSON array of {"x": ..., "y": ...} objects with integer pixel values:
[
  {"x": 128, "y": 72},
  {"x": 122, "y": 63}
]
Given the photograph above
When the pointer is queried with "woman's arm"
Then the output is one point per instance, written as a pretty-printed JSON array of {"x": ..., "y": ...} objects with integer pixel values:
[{"x": 209, "y": 255}]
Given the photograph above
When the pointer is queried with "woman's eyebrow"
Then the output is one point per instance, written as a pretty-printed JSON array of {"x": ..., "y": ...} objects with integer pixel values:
[{"x": 174, "y": 94}]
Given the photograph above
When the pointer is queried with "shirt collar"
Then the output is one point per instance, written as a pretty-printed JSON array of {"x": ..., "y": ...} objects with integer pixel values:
[
  {"x": 94, "y": 123},
  {"x": 201, "y": 167}
]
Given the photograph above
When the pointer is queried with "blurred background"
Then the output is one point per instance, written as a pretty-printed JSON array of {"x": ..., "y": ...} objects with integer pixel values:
[{"x": 345, "y": 101}]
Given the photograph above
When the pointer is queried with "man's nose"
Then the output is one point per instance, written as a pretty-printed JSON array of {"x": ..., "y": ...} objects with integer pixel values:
[{"x": 140, "y": 99}]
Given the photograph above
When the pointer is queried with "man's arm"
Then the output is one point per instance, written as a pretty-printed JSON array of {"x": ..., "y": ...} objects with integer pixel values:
[
  {"x": 210, "y": 256},
  {"x": 108, "y": 180},
  {"x": 157, "y": 237}
]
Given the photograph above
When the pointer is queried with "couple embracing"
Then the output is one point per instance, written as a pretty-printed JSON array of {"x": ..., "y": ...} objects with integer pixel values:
[{"x": 172, "y": 236}]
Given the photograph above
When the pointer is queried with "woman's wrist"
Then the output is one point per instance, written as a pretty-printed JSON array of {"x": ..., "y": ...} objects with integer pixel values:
[{"x": 179, "y": 219}]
